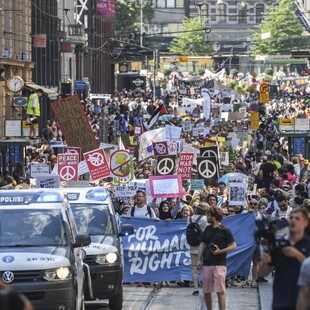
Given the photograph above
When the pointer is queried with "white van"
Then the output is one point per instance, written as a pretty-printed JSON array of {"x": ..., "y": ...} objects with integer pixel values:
[
  {"x": 95, "y": 215},
  {"x": 41, "y": 252}
]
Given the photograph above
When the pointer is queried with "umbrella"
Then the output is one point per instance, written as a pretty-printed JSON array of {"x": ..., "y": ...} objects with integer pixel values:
[{"x": 225, "y": 177}]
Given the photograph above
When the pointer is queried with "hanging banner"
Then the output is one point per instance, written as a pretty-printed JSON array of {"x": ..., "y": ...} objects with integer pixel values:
[
  {"x": 120, "y": 163},
  {"x": 185, "y": 165},
  {"x": 97, "y": 164}
]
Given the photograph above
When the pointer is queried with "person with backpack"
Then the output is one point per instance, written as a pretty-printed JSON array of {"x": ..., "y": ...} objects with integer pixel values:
[
  {"x": 140, "y": 208},
  {"x": 196, "y": 224}
]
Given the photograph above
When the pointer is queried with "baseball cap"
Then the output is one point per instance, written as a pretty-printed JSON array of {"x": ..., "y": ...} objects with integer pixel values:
[{"x": 306, "y": 162}]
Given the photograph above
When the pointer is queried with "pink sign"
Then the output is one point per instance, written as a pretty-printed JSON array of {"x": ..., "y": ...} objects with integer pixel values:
[
  {"x": 97, "y": 164},
  {"x": 68, "y": 167},
  {"x": 185, "y": 165},
  {"x": 166, "y": 186},
  {"x": 106, "y": 8},
  {"x": 73, "y": 150}
]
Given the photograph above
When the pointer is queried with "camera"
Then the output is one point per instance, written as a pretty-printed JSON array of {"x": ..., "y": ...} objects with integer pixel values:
[
  {"x": 272, "y": 230},
  {"x": 212, "y": 247}
]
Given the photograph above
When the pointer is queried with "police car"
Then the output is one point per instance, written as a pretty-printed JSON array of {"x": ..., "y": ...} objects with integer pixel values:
[
  {"x": 95, "y": 215},
  {"x": 40, "y": 250}
]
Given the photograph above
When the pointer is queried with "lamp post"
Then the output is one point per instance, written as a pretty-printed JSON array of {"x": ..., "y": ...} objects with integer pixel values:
[{"x": 141, "y": 23}]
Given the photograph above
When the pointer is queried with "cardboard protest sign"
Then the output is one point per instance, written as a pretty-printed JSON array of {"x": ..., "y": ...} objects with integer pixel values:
[
  {"x": 187, "y": 126},
  {"x": 207, "y": 168},
  {"x": 74, "y": 124},
  {"x": 120, "y": 163},
  {"x": 237, "y": 194},
  {"x": 97, "y": 164},
  {"x": 48, "y": 181},
  {"x": 68, "y": 167},
  {"x": 185, "y": 165},
  {"x": 39, "y": 169},
  {"x": 166, "y": 186},
  {"x": 160, "y": 148},
  {"x": 165, "y": 165},
  {"x": 73, "y": 150}
]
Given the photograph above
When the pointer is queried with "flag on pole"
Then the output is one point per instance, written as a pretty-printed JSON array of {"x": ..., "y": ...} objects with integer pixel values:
[
  {"x": 143, "y": 128},
  {"x": 161, "y": 110}
]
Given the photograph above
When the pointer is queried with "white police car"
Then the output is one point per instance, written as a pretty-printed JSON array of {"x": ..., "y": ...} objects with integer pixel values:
[
  {"x": 40, "y": 249},
  {"x": 95, "y": 215}
]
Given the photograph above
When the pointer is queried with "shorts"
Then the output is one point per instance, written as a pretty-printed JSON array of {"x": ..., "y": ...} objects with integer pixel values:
[
  {"x": 213, "y": 279},
  {"x": 194, "y": 259},
  {"x": 35, "y": 121}
]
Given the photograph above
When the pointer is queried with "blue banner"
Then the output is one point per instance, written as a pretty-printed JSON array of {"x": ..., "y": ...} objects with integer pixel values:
[{"x": 158, "y": 250}]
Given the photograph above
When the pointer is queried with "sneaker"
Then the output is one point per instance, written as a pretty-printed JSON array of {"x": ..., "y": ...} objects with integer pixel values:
[
  {"x": 261, "y": 279},
  {"x": 195, "y": 293},
  {"x": 253, "y": 285},
  {"x": 245, "y": 284}
]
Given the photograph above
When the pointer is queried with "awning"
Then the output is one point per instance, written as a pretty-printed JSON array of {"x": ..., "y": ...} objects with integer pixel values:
[
  {"x": 286, "y": 61},
  {"x": 51, "y": 93}
]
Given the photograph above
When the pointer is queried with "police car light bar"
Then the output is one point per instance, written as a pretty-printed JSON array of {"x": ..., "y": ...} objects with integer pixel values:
[
  {"x": 47, "y": 197},
  {"x": 98, "y": 194}
]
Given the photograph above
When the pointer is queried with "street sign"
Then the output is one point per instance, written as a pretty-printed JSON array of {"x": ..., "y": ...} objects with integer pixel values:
[
  {"x": 20, "y": 101},
  {"x": 79, "y": 84},
  {"x": 254, "y": 107},
  {"x": 254, "y": 116},
  {"x": 264, "y": 88},
  {"x": 264, "y": 98},
  {"x": 68, "y": 167},
  {"x": 120, "y": 163},
  {"x": 97, "y": 164},
  {"x": 183, "y": 58},
  {"x": 286, "y": 122}
]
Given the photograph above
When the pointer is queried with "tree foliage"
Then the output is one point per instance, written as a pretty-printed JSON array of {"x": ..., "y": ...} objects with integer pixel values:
[
  {"x": 191, "y": 40},
  {"x": 284, "y": 27},
  {"x": 127, "y": 22}
]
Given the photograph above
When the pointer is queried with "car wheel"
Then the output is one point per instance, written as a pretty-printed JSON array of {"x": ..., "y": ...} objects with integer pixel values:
[{"x": 116, "y": 302}]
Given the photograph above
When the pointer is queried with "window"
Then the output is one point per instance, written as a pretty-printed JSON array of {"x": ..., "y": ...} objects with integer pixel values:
[
  {"x": 260, "y": 9},
  {"x": 242, "y": 14},
  {"x": 221, "y": 9},
  {"x": 205, "y": 11},
  {"x": 180, "y": 3},
  {"x": 161, "y": 3},
  {"x": 170, "y": 3}
]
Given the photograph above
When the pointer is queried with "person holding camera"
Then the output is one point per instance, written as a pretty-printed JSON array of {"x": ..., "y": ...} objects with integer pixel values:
[
  {"x": 216, "y": 241},
  {"x": 287, "y": 261}
]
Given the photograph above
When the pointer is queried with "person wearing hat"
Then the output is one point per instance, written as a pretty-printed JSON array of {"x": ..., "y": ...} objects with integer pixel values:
[
  {"x": 201, "y": 219},
  {"x": 304, "y": 170}
]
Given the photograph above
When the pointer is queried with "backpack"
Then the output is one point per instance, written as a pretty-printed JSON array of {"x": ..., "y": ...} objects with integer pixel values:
[
  {"x": 193, "y": 232},
  {"x": 149, "y": 212}
]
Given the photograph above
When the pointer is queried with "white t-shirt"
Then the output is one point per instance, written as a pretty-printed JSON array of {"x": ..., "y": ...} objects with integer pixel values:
[{"x": 142, "y": 212}]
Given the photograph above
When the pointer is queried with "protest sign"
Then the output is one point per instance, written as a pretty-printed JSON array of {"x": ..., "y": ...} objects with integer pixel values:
[
  {"x": 83, "y": 167},
  {"x": 68, "y": 165},
  {"x": 237, "y": 193},
  {"x": 120, "y": 163},
  {"x": 137, "y": 131},
  {"x": 39, "y": 169},
  {"x": 74, "y": 124},
  {"x": 166, "y": 186},
  {"x": 73, "y": 150},
  {"x": 167, "y": 257},
  {"x": 185, "y": 165},
  {"x": 146, "y": 139},
  {"x": 197, "y": 184},
  {"x": 160, "y": 148},
  {"x": 224, "y": 158},
  {"x": 165, "y": 165},
  {"x": 187, "y": 126},
  {"x": 207, "y": 168},
  {"x": 97, "y": 164},
  {"x": 48, "y": 181},
  {"x": 77, "y": 183},
  {"x": 173, "y": 132},
  {"x": 195, "y": 132},
  {"x": 125, "y": 191}
]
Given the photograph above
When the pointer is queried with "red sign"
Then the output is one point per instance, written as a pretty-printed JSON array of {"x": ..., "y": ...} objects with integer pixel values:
[
  {"x": 185, "y": 165},
  {"x": 73, "y": 150},
  {"x": 160, "y": 148},
  {"x": 68, "y": 167},
  {"x": 106, "y": 8},
  {"x": 97, "y": 164}
]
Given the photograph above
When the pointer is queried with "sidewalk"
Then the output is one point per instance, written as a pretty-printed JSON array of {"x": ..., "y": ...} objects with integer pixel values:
[{"x": 265, "y": 293}]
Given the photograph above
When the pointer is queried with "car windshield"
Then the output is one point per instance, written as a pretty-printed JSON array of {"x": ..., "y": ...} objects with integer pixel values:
[
  {"x": 93, "y": 219},
  {"x": 24, "y": 227}
]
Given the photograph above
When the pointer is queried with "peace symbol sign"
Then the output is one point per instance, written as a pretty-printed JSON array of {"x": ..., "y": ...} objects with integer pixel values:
[
  {"x": 172, "y": 147},
  {"x": 165, "y": 166},
  {"x": 72, "y": 151},
  {"x": 209, "y": 153},
  {"x": 96, "y": 159},
  {"x": 207, "y": 169},
  {"x": 67, "y": 173}
]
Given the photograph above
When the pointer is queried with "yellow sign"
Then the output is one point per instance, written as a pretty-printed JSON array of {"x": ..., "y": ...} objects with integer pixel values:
[
  {"x": 254, "y": 124},
  {"x": 264, "y": 98},
  {"x": 264, "y": 88},
  {"x": 254, "y": 116},
  {"x": 183, "y": 58},
  {"x": 132, "y": 141},
  {"x": 286, "y": 122}
]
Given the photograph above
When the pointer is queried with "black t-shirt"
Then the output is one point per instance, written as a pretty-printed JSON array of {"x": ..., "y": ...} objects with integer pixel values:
[
  {"x": 285, "y": 289},
  {"x": 220, "y": 236},
  {"x": 268, "y": 169}
]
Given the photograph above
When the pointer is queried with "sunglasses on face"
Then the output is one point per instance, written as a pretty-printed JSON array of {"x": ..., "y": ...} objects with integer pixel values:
[{"x": 253, "y": 203}]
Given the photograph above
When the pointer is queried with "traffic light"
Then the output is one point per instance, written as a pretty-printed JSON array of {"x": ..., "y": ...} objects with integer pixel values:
[{"x": 66, "y": 90}]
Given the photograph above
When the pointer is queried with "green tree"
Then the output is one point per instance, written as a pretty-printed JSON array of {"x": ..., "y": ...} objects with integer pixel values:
[
  {"x": 127, "y": 21},
  {"x": 192, "y": 38},
  {"x": 285, "y": 30}
]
